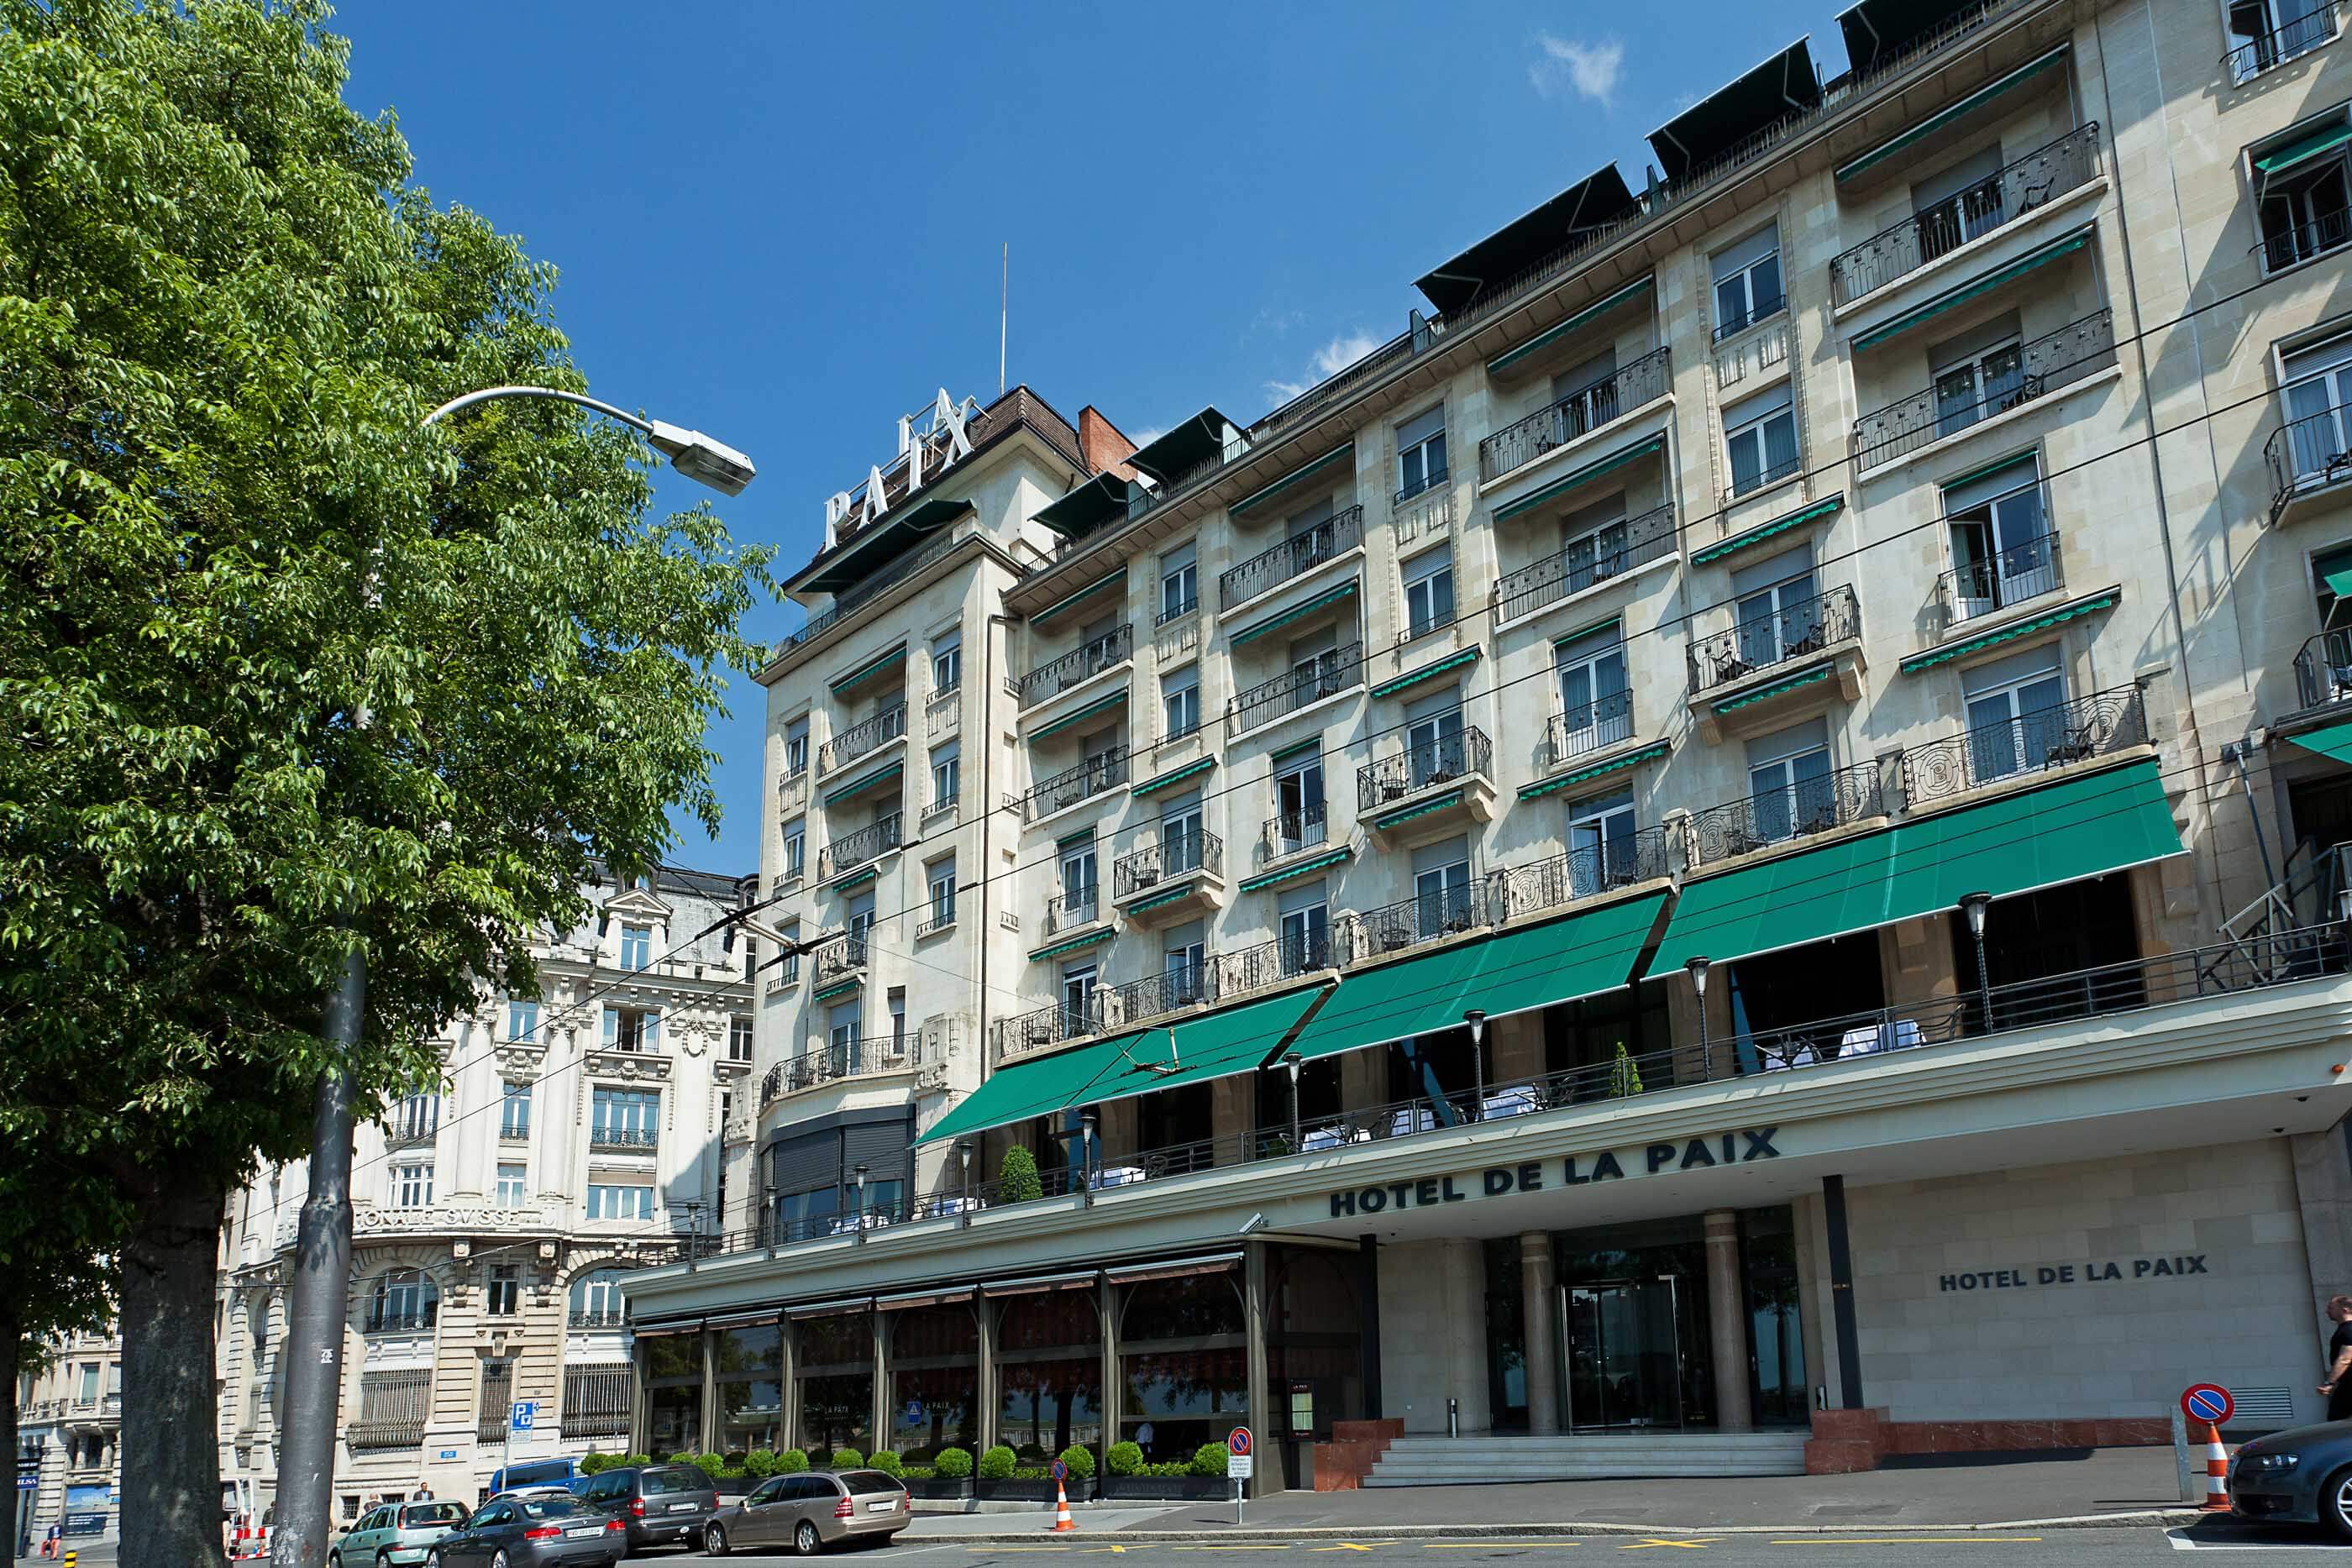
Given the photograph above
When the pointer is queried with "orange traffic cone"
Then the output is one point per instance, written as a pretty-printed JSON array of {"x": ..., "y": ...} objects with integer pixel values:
[
  {"x": 2216, "y": 1471},
  {"x": 1062, "y": 1520}
]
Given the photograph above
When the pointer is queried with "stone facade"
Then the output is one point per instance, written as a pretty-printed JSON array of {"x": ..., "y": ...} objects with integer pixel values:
[{"x": 71, "y": 1411}]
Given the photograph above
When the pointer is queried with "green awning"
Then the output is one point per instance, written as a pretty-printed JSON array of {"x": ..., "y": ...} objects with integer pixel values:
[
  {"x": 1961, "y": 650},
  {"x": 841, "y": 989},
  {"x": 2333, "y": 741},
  {"x": 1584, "y": 476},
  {"x": 1085, "y": 507},
  {"x": 1265, "y": 492},
  {"x": 1778, "y": 689},
  {"x": 2080, "y": 827},
  {"x": 1607, "y": 623},
  {"x": 1451, "y": 797},
  {"x": 1177, "y": 776},
  {"x": 1581, "y": 955},
  {"x": 866, "y": 671},
  {"x": 1302, "y": 869},
  {"x": 843, "y": 884},
  {"x": 1056, "y": 949},
  {"x": 2304, "y": 150},
  {"x": 1427, "y": 672},
  {"x": 2339, "y": 584},
  {"x": 1088, "y": 592},
  {"x": 1197, "y": 1047},
  {"x": 1920, "y": 315},
  {"x": 888, "y": 539},
  {"x": 1251, "y": 633},
  {"x": 872, "y": 780},
  {"x": 1649, "y": 753},
  {"x": 1080, "y": 715},
  {"x": 1763, "y": 531},
  {"x": 1551, "y": 335},
  {"x": 1174, "y": 896},
  {"x": 1309, "y": 745},
  {"x": 1999, "y": 465},
  {"x": 1935, "y": 122}
]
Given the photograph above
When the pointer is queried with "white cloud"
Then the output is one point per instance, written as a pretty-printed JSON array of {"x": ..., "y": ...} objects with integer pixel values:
[
  {"x": 1146, "y": 436},
  {"x": 1590, "y": 70},
  {"x": 1330, "y": 360}
]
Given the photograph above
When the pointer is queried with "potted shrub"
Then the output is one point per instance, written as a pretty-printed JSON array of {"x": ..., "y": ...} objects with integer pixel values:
[
  {"x": 791, "y": 1462},
  {"x": 1199, "y": 1479},
  {"x": 1006, "y": 1475},
  {"x": 949, "y": 1475}
]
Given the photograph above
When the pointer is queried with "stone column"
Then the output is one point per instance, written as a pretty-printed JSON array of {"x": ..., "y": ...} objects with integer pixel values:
[
  {"x": 1107, "y": 1406},
  {"x": 984, "y": 1394},
  {"x": 788, "y": 1419},
  {"x": 1727, "y": 1317},
  {"x": 1464, "y": 1263},
  {"x": 879, "y": 1407},
  {"x": 1539, "y": 1312},
  {"x": 555, "y": 1116}
]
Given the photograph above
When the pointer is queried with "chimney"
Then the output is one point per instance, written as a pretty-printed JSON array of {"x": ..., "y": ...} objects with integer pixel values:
[{"x": 1102, "y": 445}]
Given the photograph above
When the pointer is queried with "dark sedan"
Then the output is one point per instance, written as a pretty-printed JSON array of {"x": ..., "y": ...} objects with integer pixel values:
[
  {"x": 532, "y": 1532},
  {"x": 2303, "y": 1476}
]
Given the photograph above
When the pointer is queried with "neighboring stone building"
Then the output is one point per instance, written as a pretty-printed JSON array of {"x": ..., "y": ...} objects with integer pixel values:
[
  {"x": 70, "y": 1415},
  {"x": 572, "y": 1139}
]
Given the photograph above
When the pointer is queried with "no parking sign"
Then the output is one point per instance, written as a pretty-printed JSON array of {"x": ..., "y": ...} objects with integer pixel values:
[
  {"x": 2206, "y": 1402},
  {"x": 1239, "y": 1461}
]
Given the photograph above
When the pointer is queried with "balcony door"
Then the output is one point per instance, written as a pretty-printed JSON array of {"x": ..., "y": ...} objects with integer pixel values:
[
  {"x": 1600, "y": 844},
  {"x": 1079, "y": 982},
  {"x": 1978, "y": 374},
  {"x": 1306, "y": 929},
  {"x": 1586, "y": 395},
  {"x": 1441, "y": 887},
  {"x": 1593, "y": 545},
  {"x": 1788, "y": 782},
  {"x": 1179, "y": 834},
  {"x": 861, "y": 921},
  {"x": 1958, "y": 204},
  {"x": 1081, "y": 884},
  {"x": 1595, "y": 709},
  {"x": 2002, "y": 549},
  {"x": 1183, "y": 956},
  {"x": 1432, "y": 738},
  {"x": 1778, "y": 607},
  {"x": 2318, "y": 385},
  {"x": 1298, "y": 815},
  {"x": 2016, "y": 717}
]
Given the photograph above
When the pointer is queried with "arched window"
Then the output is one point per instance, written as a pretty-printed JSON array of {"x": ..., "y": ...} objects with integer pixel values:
[
  {"x": 404, "y": 1299},
  {"x": 598, "y": 1301}
]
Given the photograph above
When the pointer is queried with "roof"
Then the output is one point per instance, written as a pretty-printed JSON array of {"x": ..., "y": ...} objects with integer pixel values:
[
  {"x": 1783, "y": 85},
  {"x": 1600, "y": 198},
  {"x": 1186, "y": 445},
  {"x": 1876, "y": 30}
]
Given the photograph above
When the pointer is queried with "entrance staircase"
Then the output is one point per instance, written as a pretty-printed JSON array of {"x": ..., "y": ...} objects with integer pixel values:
[{"x": 1443, "y": 1461}]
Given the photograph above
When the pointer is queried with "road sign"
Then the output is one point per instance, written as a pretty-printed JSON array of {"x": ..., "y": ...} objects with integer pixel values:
[
  {"x": 1241, "y": 1467},
  {"x": 525, "y": 1411},
  {"x": 2206, "y": 1402},
  {"x": 1237, "y": 1443},
  {"x": 448, "y": 1453},
  {"x": 1061, "y": 1471}
]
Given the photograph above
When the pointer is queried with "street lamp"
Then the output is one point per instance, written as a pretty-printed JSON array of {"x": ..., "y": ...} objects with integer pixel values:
[
  {"x": 1292, "y": 1062},
  {"x": 1698, "y": 968},
  {"x": 963, "y": 1159},
  {"x": 1973, "y": 905},
  {"x": 1476, "y": 1020},
  {"x": 768, "y": 1214},
  {"x": 859, "y": 1176}
]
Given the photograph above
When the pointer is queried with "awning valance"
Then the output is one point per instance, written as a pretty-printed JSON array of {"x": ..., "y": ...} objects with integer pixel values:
[
  {"x": 1584, "y": 476},
  {"x": 1095, "y": 709},
  {"x": 2332, "y": 741},
  {"x": 1173, "y": 777},
  {"x": 1174, "y": 1267},
  {"x": 1502, "y": 362},
  {"x": 1034, "y": 1285},
  {"x": 1568, "y": 780},
  {"x": 830, "y": 1309},
  {"x": 1296, "y": 613},
  {"x": 1285, "y": 873},
  {"x": 1428, "y": 672},
  {"x": 1289, "y": 481},
  {"x": 1765, "y": 532},
  {"x": 908, "y": 1299},
  {"x": 2303, "y": 150},
  {"x": 1921, "y": 314},
  {"x": 1938, "y": 122},
  {"x": 1116, "y": 578},
  {"x": 2010, "y": 633},
  {"x": 867, "y": 670},
  {"x": 872, "y": 780}
]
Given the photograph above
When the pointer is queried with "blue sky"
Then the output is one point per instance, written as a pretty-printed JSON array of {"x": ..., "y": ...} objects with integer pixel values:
[{"x": 783, "y": 224}]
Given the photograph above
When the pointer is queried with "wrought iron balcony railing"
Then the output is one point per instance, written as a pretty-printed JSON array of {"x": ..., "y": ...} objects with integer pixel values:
[
  {"x": 840, "y": 958},
  {"x": 2287, "y": 245},
  {"x": 1176, "y": 854},
  {"x": 408, "y": 1135},
  {"x": 850, "y": 599},
  {"x": 1595, "y": 559},
  {"x": 2074, "y": 353},
  {"x": 1080, "y": 665},
  {"x": 598, "y": 1318},
  {"x": 1423, "y": 764},
  {"x": 2297, "y": 35},
  {"x": 1391, "y": 928},
  {"x": 1171, "y": 991},
  {"x": 1047, "y": 1026},
  {"x": 1618, "y": 861},
  {"x": 1293, "y": 557},
  {"x": 2095, "y": 726},
  {"x": 399, "y": 1320},
  {"x": 2023, "y": 571},
  {"x": 1764, "y": 641},
  {"x": 1579, "y": 413},
  {"x": 1606, "y": 721},
  {"x": 1764, "y": 310},
  {"x": 1270, "y": 963},
  {"x": 2001, "y": 197},
  {"x": 623, "y": 1140},
  {"x": 1072, "y": 908},
  {"x": 1293, "y": 832},
  {"x": 2308, "y": 454},
  {"x": 860, "y": 738},
  {"x": 1088, "y": 779},
  {"x": 851, "y": 851},
  {"x": 833, "y": 1062},
  {"x": 1811, "y": 805},
  {"x": 1328, "y": 675},
  {"x": 2323, "y": 669}
]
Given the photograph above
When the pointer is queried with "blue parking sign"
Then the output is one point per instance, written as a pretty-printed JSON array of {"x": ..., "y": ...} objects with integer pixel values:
[{"x": 524, "y": 1412}]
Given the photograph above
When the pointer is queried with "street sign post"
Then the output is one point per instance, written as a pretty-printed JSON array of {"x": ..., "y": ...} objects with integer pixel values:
[
  {"x": 2206, "y": 1402},
  {"x": 1239, "y": 1464}
]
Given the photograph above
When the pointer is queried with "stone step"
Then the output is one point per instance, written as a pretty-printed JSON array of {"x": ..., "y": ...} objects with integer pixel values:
[{"x": 1438, "y": 1461}]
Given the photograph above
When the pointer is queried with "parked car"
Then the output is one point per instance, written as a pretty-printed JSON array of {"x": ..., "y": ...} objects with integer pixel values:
[
  {"x": 655, "y": 1503},
  {"x": 395, "y": 1534},
  {"x": 532, "y": 1532},
  {"x": 536, "y": 1473},
  {"x": 2301, "y": 1476},
  {"x": 811, "y": 1511}
]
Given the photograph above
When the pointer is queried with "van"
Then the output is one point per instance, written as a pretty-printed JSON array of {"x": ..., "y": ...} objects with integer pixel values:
[{"x": 535, "y": 1473}]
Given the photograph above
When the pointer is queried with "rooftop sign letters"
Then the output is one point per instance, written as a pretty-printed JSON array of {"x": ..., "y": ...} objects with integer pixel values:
[
  {"x": 942, "y": 440},
  {"x": 1731, "y": 1148}
]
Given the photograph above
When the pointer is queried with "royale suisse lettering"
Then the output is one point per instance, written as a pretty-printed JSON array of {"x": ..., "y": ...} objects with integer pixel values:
[
  {"x": 1575, "y": 1170},
  {"x": 2090, "y": 1272}
]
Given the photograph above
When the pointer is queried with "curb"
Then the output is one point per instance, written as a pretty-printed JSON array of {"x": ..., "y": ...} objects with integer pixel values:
[{"x": 2134, "y": 1520}]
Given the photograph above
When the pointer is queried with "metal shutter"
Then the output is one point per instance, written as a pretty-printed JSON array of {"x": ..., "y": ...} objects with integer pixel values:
[
  {"x": 596, "y": 1400},
  {"x": 392, "y": 1409},
  {"x": 497, "y": 1393},
  {"x": 879, "y": 1146},
  {"x": 810, "y": 1160}
]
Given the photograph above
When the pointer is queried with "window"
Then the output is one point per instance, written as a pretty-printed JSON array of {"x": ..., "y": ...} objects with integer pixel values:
[
  {"x": 1078, "y": 996},
  {"x": 1760, "y": 439},
  {"x": 1596, "y": 702},
  {"x": 1965, "y": 201},
  {"x": 896, "y": 1001},
  {"x": 787, "y": 962},
  {"x": 1586, "y": 395},
  {"x": 1081, "y": 888},
  {"x": 1316, "y": 670},
  {"x": 1179, "y": 702},
  {"x": 403, "y": 1299},
  {"x": 512, "y": 1180},
  {"x": 946, "y": 664},
  {"x": 503, "y": 1298},
  {"x": 1441, "y": 887},
  {"x": 796, "y": 750},
  {"x": 1593, "y": 545},
  {"x": 632, "y": 1028},
  {"x": 1184, "y": 959},
  {"x": 1182, "y": 838},
  {"x": 1788, "y": 785},
  {"x": 947, "y": 776},
  {"x": 1306, "y": 929},
  {"x": 1434, "y": 753},
  {"x": 2300, "y": 188},
  {"x": 740, "y": 1037},
  {"x": 610, "y": 1202},
  {"x": 845, "y": 1036},
  {"x": 88, "y": 1383},
  {"x": 418, "y": 1118},
  {"x": 598, "y": 1301},
  {"x": 1421, "y": 452},
  {"x": 795, "y": 848},
  {"x": 1428, "y": 593},
  {"x": 1600, "y": 853},
  {"x": 522, "y": 1021},
  {"x": 2318, "y": 382},
  {"x": 636, "y": 946},
  {"x": 2264, "y": 33},
  {"x": 1298, "y": 812},
  {"x": 1780, "y": 611},
  {"x": 1977, "y": 374},
  {"x": 1180, "y": 582},
  {"x": 1748, "y": 281},
  {"x": 624, "y": 1118},
  {"x": 514, "y": 1109},
  {"x": 2016, "y": 720},
  {"x": 2002, "y": 550},
  {"x": 940, "y": 876},
  {"x": 412, "y": 1186}
]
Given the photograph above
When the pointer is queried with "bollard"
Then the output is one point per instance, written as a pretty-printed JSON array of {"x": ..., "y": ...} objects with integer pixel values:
[
  {"x": 1452, "y": 1417},
  {"x": 2192, "y": 1480}
]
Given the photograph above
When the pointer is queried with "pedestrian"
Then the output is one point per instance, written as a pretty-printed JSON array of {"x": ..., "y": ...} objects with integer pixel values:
[
  {"x": 2338, "y": 1386},
  {"x": 424, "y": 1493}
]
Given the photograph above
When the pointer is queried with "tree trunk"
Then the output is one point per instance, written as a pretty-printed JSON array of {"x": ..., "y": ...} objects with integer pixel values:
[{"x": 170, "y": 1497}]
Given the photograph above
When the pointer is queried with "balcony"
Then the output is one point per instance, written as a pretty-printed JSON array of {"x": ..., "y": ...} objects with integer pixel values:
[
  {"x": 1620, "y": 549},
  {"x": 1094, "y": 776},
  {"x": 411, "y": 1134},
  {"x": 1838, "y": 799},
  {"x": 832, "y": 1063},
  {"x": 1293, "y": 558},
  {"x": 2002, "y": 197},
  {"x": 1155, "y": 995},
  {"x": 2074, "y": 353},
  {"x": 1410, "y": 922},
  {"x": 2295, "y": 37},
  {"x": 2009, "y": 577},
  {"x": 1745, "y": 668},
  {"x": 1043, "y": 1029},
  {"x": 868, "y": 844},
  {"x": 862, "y": 739},
  {"x": 1288, "y": 833},
  {"x": 1589, "y": 408},
  {"x": 2323, "y": 670},
  {"x": 2307, "y": 456},
  {"x": 1077, "y": 667},
  {"x": 401, "y": 1320},
  {"x": 1431, "y": 787},
  {"x": 2096, "y": 725},
  {"x": 1587, "y": 872},
  {"x": 849, "y": 600},
  {"x": 1328, "y": 675},
  {"x": 623, "y": 1140},
  {"x": 1599, "y": 726},
  {"x": 1179, "y": 877},
  {"x": 840, "y": 959},
  {"x": 598, "y": 1318},
  {"x": 1073, "y": 909},
  {"x": 1270, "y": 964}
]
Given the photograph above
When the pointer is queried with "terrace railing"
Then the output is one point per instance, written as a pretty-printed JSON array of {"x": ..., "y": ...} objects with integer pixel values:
[
  {"x": 1089, "y": 779},
  {"x": 1075, "y": 667},
  {"x": 1326, "y": 675},
  {"x": 1760, "y": 642},
  {"x": 2297, "y": 35},
  {"x": 2000, "y": 198},
  {"x": 1595, "y": 559},
  {"x": 860, "y": 738},
  {"x": 1606, "y": 721},
  {"x": 1836, "y": 798},
  {"x": 2308, "y": 454},
  {"x": 1409, "y": 922},
  {"x": 851, "y": 851},
  {"x": 1584, "y": 872},
  {"x": 1175, "y": 854},
  {"x": 1423, "y": 764},
  {"x": 2054, "y": 737},
  {"x": 1293, "y": 557},
  {"x": 2023, "y": 571},
  {"x": 2074, "y": 353},
  {"x": 1589, "y": 408}
]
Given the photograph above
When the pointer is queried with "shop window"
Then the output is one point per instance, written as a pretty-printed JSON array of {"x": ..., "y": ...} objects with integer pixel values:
[
  {"x": 835, "y": 1370},
  {"x": 1178, "y": 1397},
  {"x": 1049, "y": 1372},
  {"x": 750, "y": 1396},
  {"x": 934, "y": 1380}
]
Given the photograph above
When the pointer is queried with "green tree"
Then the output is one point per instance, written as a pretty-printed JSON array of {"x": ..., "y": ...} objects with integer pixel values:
[
  {"x": 1016, "y": 1179},
  {"x": 225, "y": 307},
  {"x": 1624, "y": 1075}
]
